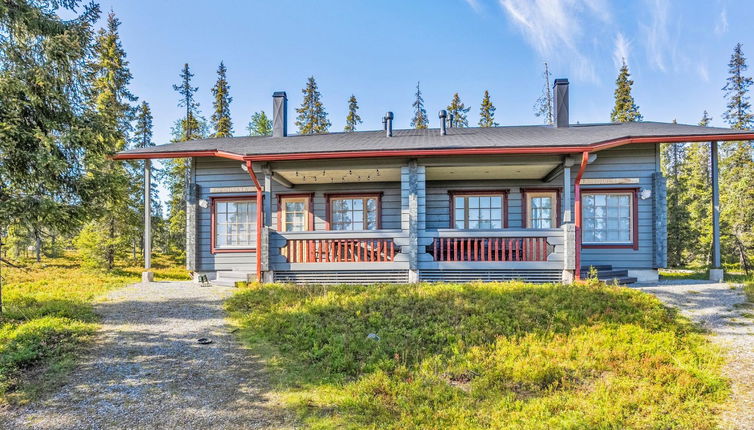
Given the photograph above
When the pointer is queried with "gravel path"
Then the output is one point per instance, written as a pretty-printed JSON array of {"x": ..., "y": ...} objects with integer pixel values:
[
  {"x": 147, "y": 371},
  {"x": 720, "y": 309}
]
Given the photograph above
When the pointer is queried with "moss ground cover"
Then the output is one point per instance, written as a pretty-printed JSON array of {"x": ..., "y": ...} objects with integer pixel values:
[
  {"x": 505, "y": 355},
  {"x": 49, "y": 315}
]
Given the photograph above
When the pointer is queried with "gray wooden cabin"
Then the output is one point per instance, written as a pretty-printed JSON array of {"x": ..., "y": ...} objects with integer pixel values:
[{"x": 536, "y": 203}]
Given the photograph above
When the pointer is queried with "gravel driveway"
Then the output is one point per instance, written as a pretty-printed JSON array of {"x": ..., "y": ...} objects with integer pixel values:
[
  {"x": 146, "y": 369},
  {"x": 720, "y": 309}
]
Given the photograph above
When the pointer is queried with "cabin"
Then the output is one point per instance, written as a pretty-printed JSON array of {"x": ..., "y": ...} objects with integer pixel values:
[{"x": 538, "y": 203}]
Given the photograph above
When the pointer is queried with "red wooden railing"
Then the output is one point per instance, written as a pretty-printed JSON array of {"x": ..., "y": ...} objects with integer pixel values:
[
  {"x": 490, "y": 249},
  {"x": 339, "y": 250}
]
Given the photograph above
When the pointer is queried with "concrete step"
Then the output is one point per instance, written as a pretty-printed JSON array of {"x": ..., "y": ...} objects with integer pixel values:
[
  {"x": 607, "y": 274},
  {"x": 238, "y": 276},
  {"x": 597, "y": 266},
  {"x": 224, "y": 282}
]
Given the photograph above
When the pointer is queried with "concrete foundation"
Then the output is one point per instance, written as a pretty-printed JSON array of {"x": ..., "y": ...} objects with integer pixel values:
[
  {"x": 644, "y": 275},
  {"x": 568, "y": 276},
  {"x": 716, "y": 275},
  {"x": 147, "y": 276}
]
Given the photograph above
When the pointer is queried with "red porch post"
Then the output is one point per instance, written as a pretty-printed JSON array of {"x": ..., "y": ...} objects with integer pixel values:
[{"x": 260, "y": 218}]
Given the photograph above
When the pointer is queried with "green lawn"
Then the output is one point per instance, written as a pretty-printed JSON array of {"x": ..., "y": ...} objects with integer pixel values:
[
  {"x": 49, "y": 316},
  {"x": 505, "y": 355}
]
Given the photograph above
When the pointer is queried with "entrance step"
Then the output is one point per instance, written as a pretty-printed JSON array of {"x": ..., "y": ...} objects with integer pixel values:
[
  {"x": 229, "y": 278},
  {"x": 606, "y": 274}
]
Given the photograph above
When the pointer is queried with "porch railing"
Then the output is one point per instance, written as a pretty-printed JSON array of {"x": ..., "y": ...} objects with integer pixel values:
[
  {"x": 339, "y": 247},
  {"x": 500, "y": 246}
]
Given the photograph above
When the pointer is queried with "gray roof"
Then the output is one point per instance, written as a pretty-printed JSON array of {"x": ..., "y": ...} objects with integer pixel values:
[{"x": 457, "y": 138}]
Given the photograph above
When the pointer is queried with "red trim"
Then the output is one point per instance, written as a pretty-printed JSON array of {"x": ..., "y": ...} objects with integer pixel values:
[
  {"x": 212, "y": 199},
  {"x": 634, "y": 214},
  {"x": 309, "y": 208},
  {"x": 260, "y": 215},
  {"x": 330, "y": 196},
  {"x": 434, "y": 152},
  {"x": 454, "y": 193},
  {"x": 577, "y": 210},
  {"x": 558, "y": 204}
]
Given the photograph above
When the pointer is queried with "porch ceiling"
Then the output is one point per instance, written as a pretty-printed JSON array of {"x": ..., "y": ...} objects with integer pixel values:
[
  {"x": 340, "y": 175},
  {"x": 523, "y": 171}
]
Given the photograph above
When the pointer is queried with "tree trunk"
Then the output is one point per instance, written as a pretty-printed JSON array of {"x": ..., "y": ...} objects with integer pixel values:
[
  {"x": 743, "y": 258},
  {"x": 38, "y": 245},
  {"x": 110, "y": 250}
]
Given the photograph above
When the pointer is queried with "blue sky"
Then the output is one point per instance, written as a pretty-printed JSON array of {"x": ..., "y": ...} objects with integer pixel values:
[
  {"x": 677, "y": 52},
  {"x": 378, "y": 50}
]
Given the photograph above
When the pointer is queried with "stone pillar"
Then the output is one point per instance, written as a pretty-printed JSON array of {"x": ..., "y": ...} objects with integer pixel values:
[
  {"x": 147, "y": 275},
  {"x": 412, "y": 212},
  {"x": 267, "y": 196},
  {"x": 659, "y": 202},
  {"x": 192, "y": 192},
  {"x": 567, "y": 203},
  {"x": 569, "y": 253},
  {"x": 716, "y": 272}
]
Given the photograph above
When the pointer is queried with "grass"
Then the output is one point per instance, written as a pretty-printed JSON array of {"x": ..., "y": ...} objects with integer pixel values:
[
  {"x": 505, "y": 355},
  {"x": 49, "y": 315},
  {"x": 701, "y": 274}
]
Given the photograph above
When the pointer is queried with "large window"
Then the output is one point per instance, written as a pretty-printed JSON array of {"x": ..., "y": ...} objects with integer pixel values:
[
  {"x": 354, "y": 212},
  {"x": 609, "y": 218},
  {"x": 478, "y": 211},
  {"x": 294, "y": 212},
  {"x": 541, "y": 208},
  {"x": 234, "y": 224}
]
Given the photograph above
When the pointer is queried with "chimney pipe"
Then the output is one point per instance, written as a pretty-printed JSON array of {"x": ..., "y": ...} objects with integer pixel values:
[
  {"x": 279, "y": 114},
  {"x": 450, "y": 120},
  {"x": 443, "y": 116},
  {"x": 560, "y": 90},
  {"x": 389, "y": 124}
]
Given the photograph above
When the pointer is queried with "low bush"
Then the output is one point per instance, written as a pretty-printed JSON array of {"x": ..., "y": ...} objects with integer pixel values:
[{"x": 505, "y": 355}]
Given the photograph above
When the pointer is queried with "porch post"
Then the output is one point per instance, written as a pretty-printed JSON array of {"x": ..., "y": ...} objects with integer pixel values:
[
  {"x": 147, "y": 275},
  {"x": 567, "y": 163},
  {"x": 267, "y": 196},
  {"x": 412, "y": 212},
  {"x": 716, "y": 272},
  {"x": 191, "y": 218}
]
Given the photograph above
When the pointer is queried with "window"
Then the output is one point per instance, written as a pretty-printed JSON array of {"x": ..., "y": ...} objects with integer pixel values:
[
  {"x": 354, "y": 212},
  {"x": 294, "y": 212},
  {"x": 609, "y": 218},
  {"x": 478, "y": 211},
  {"x": 541, "y": 208},
  {"x": 233, "y": 224}
]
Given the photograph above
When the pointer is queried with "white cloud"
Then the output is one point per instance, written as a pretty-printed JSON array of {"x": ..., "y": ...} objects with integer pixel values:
[
  {"x": 555, "y": 28},
  {"x": 474, "y": 4},
  {"x": 703, "y": 71},
  {"x": 721, "y": 26},
  {"x": 620, "y": 53},
  {"x": 657, "y": 34}
]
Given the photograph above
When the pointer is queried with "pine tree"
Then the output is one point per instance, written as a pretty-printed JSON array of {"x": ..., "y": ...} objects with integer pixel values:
[
  {"x": 353, "y": 118},
  {"x": 672, "y": 162},
  {"x": 312, "y": 117},
  {"x": 260, "y": 125},
  {"x": 116, "y": 219},
  {"x": 457, "y": 112},
  {"x": 737, "y": 167},
  {"x": 221, "y": 122},
  {"x": 420, "y": 120},
  {"x": 625, "y": 109},
  {"x": 543, "y": 105},
  {"x": 142, "y": 136},
  {"x": 487, "y": 112}
]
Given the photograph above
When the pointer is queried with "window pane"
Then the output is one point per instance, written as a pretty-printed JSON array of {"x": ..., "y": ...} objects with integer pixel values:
[
  {"x": 473, "y": 202},
  {"x": 496, "y": 202},
  {"x": 460, "y": 202}
]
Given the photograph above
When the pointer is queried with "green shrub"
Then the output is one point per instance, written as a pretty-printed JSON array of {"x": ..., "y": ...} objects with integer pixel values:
[{"x": 506, "y": 355}]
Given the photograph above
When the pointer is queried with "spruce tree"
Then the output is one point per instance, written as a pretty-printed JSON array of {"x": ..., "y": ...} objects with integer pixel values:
[
  {"x": 312, "y": 117},
  {"x": 696, "y": 199},
  {"x": 672, "y": 162},
  {"x": 260, "y": 125},
  {"x": 543, "y": 105},
  {"x": 117, "y": 220},
  {"x": 457, "y": 112},
  {"x": 188, "y": 101},
  {"x": 737, "y": 167},
  {"x": 44, "y": 130},
  {"x": 420, "y": 120},
  {"x": 625, "y": 109},
  {"x": 142, "y": 136},
  {"x": 221, "y": 122},
  {"x": 487, "y": 112},
  {"x": 353, "y": 118}
]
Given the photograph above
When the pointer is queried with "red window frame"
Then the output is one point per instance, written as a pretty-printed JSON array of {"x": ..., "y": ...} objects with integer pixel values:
[
  {"x": 309, "y": 209},
  {"x": 634, "y": 191},
  {"x": 246, "y": 197},
  {"x": 558, "y": 204},
  {"x": 329, "y": 197},
  {"x": 454, "y": 193}
]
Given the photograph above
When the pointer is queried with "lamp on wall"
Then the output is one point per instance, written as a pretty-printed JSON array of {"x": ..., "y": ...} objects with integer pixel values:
[{"x": 244, "y": 168}]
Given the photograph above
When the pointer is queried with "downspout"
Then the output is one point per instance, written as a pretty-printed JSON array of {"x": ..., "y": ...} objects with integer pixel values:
[
  {"x": 260, "y": 218},
  {"x": 577, "y": 207}
]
